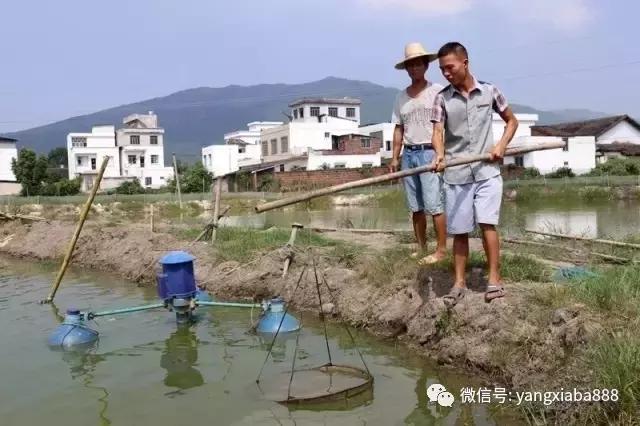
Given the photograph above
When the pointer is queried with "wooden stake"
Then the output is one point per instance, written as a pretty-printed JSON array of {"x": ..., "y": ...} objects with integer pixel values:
[
  {"x": 216, "y": 208},
  {"x": 76, "y": 234},
  {"x": 175, "y": 171},
  {"x": 292, "y": 239},
  {"x": 151, "y": 224},
  {"x": 397, "y": 175},
  {"x": 590, "y": 240}
]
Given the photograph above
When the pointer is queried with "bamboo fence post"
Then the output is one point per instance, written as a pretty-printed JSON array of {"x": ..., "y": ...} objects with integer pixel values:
[
  {"x": 292, "y": 239},
  {"x": 397, "y": 175},
  {"x": 76, "y": 234},
  {"x": 590, "y": 240},
  {"x": 216, "y": 209},
  {"x": 151, "y": 220},
  {"x": 175, "y": 172}
]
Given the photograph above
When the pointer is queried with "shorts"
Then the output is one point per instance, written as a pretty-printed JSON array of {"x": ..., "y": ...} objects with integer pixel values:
[
  {"x": 424, "y": 191},
  {"x": 473, "y": 203}
]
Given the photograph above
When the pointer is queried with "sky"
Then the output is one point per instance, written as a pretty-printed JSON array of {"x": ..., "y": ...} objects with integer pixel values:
[{"x": 73, "y": 57}]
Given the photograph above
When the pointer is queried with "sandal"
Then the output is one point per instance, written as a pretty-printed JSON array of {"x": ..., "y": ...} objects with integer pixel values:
[
  {"x": 455, "y": 295},
  {"x": 430, "y": 260},
  {"x": 493, "y": 292}
]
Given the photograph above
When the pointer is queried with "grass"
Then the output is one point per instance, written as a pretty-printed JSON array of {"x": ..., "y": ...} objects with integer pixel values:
[
  {"x": 616, "y": 364},
  {"x": 391, "y": 264},
  {"x": 243, "y": 244}
]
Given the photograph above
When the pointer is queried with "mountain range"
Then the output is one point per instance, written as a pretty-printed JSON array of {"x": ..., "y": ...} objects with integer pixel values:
[{"x": 200, "y": 116}]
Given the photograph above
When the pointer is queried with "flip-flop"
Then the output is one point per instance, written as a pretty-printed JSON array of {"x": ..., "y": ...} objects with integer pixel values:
[
  {"x": 494, "y": 292},
  {"x": 455, "y": 295},
  {"x": 430, "y": 260}
]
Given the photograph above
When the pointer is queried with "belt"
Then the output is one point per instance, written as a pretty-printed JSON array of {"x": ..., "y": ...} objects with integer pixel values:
[{"x": 423, "y": 146}]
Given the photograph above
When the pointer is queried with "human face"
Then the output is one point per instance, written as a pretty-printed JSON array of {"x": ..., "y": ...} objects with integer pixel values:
[
  {"x": 416, "y": 68},
  {"x": 454, "y": 68}
]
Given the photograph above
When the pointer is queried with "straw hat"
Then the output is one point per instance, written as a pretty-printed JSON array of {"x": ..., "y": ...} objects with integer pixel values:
[{"x": 415, "y": 50}]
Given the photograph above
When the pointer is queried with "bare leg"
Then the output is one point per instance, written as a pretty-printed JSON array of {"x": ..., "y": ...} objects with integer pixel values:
[
  {"x": 460, "y": 255},
  {"x": 420, "y": 229},
  {"x": 440, "y": 225},
  {"x": 491, "y": 244}
]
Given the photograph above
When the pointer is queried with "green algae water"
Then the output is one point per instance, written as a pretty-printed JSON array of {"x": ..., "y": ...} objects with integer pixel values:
[{"x": 147, "y": 371}]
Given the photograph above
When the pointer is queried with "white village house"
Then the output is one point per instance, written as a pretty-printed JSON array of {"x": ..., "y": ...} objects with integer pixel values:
[
  {"x": 8, "y": 152},
  {"x": 135, "y": 151}
]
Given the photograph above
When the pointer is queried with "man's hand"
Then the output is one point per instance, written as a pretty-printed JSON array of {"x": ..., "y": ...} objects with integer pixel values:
[
  {"x": 497, "y": 153},
  {"x": 438, "y": 163},
  {"x": 394, "y": 165}
]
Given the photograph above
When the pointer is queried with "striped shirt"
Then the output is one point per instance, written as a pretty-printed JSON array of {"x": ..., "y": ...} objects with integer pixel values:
[{"x": 467, "y": 129}]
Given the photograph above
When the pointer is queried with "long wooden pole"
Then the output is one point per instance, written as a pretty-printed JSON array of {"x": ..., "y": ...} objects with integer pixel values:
[
  {"x": 392, "y": 176},
  {"x": 590, "y": 240},
  {"x": 76, "y": 234},
  {"x": 177, "y": 175},
  {"x": 216, "y": 208}
]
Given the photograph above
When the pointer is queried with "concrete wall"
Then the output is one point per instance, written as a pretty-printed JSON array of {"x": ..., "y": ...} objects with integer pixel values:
[
  {"x": 621, "y": 132},
  {"x": 101, "y": 143},
  {"x": 385, "y": 132},
  {"x": 220, "y": 159},
  {"x": 580, "y": 156},
  {"x": 10, "y": 188},
  {"x": 324, "y": 110},
  {"x": 8, "y": 152},
  {"x": 315, "y": 160}
]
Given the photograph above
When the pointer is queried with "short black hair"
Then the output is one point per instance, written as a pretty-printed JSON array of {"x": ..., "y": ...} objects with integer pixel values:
[{"x": 453, "y": 47}]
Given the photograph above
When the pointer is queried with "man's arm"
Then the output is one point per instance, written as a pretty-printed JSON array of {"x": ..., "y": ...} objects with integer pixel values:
[
  {"x": 501, "y": 106},
  {"x": 438, "y": 117},
  {"x": 398, "y": 134}
]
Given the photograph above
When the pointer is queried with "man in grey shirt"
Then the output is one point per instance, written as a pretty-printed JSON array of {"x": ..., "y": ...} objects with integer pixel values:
[
  {"x": 462, "y": 116},
  {"x": 412, "y": 136}
]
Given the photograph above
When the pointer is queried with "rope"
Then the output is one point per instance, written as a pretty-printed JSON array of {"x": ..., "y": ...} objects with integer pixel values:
[
  {"x": 293, "y": 364},
  {"x": 333, "y": 298},
  {"x": 273, "y": 341},
  {"x": 324, "y": 321}
]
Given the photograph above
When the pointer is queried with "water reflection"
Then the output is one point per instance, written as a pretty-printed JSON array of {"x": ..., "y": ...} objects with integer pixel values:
[
  {"x": 179, "y": 357},
  {"x": 575, "y": 223}
]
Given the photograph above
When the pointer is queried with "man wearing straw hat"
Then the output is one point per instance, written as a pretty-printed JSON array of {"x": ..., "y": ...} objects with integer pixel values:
[
  {"x": 463, "y": 117},
  {"x": 412, "y": 136}
]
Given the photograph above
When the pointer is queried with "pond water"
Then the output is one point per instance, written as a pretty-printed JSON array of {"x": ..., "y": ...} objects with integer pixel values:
[
  {"x": 147, "y": 371},
  {"x": 615, "y": 219}
]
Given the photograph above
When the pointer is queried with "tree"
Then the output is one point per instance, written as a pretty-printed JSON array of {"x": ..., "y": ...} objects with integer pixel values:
[
  {"x": 196, "y": 179},
  {"x": 29, "y": 171},
  {"x": 57, "y": 165},
  {"x": 130, "y": 187}
]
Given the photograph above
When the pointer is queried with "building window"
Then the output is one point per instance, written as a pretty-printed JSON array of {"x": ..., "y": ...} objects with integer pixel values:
[
  {"x": 210, "y": 163},
  {"x": 204, "y": 160},
  {"x": 274, "y": 146},
  {"x": 566, "y": 163},
  {"x": 93, "y": 164},
  {"x": 154, "y": 159},
  {"x": 295, "y": 114},
  {"x": 265, "y": 148},
  {"x": 133, "y": 159},
  {"x": 333, "y": 112},
  {"x": 282, "y": 167},
  {"x": 519, "y": 160},
  {"x": 79, "y": 161},
  {"x": 565, "y": 148},
  {"x": 284, "y": 144},
  {"x": 351, "y": 112},
  {"x": 78, "y": 142},
  {"x": 134, "y": 139},
  {"x": 147, "y": 181},
  {"x": 315, "y": 111},
  {"x": 367, "y": 165},
  {"x": 242, "y": 149},
  {"x": 301, "y": 112},
  {"x": 365, "y": 143},
  {"x": 154, "y": 139},
  {"x": 388, "y": 145},
  {"x": 339, "y": 166},
  {"x": 327, "y": 134}
]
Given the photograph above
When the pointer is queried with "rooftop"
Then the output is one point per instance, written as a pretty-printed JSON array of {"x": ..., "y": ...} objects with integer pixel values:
[
  {"x": 5, "y": 139},
  {"x": 594, "y": 127},
  {"x": 326, "y": 101},
  {"x": 269, "y": 164}
]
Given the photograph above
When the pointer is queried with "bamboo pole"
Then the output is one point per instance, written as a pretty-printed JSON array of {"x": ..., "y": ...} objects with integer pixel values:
[
  {"x": 216, "y": 209},
  {"x": 392, "y": 176},
  {"x": 76, "y": 234},
  {"x": 151, "y": 220},
  {"x": 590, "y": 240},
  {"x": 292, "y": 239},
  {"x": 177, "y": 175}
]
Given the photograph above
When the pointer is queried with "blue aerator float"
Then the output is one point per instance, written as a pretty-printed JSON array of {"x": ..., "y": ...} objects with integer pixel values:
[{"x": 178, "y": 292}]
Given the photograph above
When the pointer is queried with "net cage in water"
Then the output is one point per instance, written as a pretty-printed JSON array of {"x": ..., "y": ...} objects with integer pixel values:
[{"x": 329, "y": 383}]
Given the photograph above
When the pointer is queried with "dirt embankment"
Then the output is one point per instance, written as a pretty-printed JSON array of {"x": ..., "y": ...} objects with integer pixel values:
[{"x": 510, "y": 342}]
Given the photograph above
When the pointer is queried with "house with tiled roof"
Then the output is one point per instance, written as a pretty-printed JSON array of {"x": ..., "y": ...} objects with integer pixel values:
[{"x": 618, "y": 135}]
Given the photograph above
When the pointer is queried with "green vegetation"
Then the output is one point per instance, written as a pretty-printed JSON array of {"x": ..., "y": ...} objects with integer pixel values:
[
  {"x": 530, "y": 173},
  {"x": 40, "y": 175},
  {"x": 130, "y": 187},
  {"x": 617, "y": 167},
  {"x": 392, "y": 264},
  {"x": 30, "y": 171},
  {"x": 562, "y": 172}
]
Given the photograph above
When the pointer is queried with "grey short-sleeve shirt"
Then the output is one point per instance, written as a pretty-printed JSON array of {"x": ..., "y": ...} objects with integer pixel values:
[
  {"x": 414, "y": 114},
  {"x": 468, "y": 129}
]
